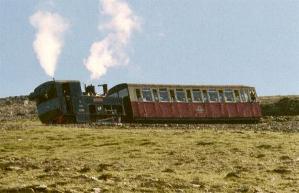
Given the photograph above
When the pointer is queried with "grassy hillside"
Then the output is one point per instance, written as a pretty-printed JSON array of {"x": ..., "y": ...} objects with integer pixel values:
[
  {"x": 252, "y": 158},
  {"x": 205, "y": 158}
]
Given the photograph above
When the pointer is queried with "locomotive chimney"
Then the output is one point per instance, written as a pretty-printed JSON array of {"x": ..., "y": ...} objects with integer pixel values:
[{"x": 105, "y": 88}]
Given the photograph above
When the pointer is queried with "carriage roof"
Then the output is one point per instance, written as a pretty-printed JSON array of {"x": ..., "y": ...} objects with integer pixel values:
[{"x": 140, "y": 85}]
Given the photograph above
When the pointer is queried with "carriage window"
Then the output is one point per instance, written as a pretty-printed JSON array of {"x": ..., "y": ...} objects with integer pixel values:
[
  {"x": 138, "y": 94},
  {"x": 180, "y": 95},
  {"x": 221, "y": 96},
  {"x": 213, "y": 95},
  {"x": 197, "y": 95},
  {"x": 229, "y": 95},
  {"x": 147, "y": 94},
  {"x": 163, "y": 95},
  {"x": 172, "y": 96},
  {"x": 244, "y": 95},
  {"x": 189, "y": 97},
  {"x": 205, "y": 96},
  {"x": 237, "y": 95},
  {"x": 155, "y": 93}
]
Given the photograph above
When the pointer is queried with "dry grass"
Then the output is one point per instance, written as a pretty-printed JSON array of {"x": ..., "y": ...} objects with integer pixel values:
[{"x": 36, "y": 158}]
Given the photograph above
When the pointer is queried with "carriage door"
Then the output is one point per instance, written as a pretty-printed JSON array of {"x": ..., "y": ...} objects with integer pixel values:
[
  {"x": 66, "y": 90},
  {"x": 127, "y": 108}
]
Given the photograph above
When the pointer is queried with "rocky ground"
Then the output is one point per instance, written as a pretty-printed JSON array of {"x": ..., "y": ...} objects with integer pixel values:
[{"x": 16, "y": 108}]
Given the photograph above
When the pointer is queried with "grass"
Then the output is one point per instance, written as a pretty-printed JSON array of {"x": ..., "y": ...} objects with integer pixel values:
[{"x": 35, "y": 157}]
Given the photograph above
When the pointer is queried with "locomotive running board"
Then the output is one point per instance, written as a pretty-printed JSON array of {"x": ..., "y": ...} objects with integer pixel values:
[{"x": 108, "y": 120}]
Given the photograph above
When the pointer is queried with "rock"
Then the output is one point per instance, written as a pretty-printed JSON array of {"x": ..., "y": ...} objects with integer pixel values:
[
  {"x": 26, "y": 102},
  {"x": 27, "y": 190},
  {"x": 97, "y": 190},
  {"x": 179, "y": 191},
  {"x": 105, "y": 177},
  {"x": 84, "y": 169},
  {"x": 41, "y": 188},
  {"x": 281, "y": 170},
  {"x": 94, "y": 178},
  {"x": 232, "y": 175},
  {"x": 13, "y": 168},
  {"x": 168, "y": 170},
  {"x": 285, "y": 158}
]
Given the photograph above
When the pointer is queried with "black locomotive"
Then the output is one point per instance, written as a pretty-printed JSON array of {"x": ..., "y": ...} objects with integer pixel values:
[{"x": 64, "y": 102}]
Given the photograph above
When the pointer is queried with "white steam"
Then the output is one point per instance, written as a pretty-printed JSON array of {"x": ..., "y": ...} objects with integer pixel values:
[
  {"x": 48, "y": 42},
  {"x": 110, "y": 51}
]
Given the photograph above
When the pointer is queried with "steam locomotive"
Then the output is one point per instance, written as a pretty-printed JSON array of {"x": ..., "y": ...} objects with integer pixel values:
[{"x": 64, "y": 102}]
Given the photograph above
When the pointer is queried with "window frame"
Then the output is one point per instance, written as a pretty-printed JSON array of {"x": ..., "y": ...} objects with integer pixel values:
[
  {"x": 151, "y": 94},
  {"x": 214, "y": 91},
  {"x": 222, "y": 98},
  {"x": 166, "y": 91},
  {"x": 205, "y": 98},
  {"x": 189, "y": 95},
  {"x": 155, "y": 98},
  {"x": 138, "y": 94},
  {"x": 176, "y": 95},
  {"x": 244, "y": 95},
  {"x": 237, "y": 97},
  {"x": 200, "y": 96},
  {"x": 172, "y": 95},
  {"x": 229, "y": 90}
]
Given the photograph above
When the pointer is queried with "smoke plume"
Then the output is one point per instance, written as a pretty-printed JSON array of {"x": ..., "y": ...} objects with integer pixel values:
[
  {"x": 111, "y": 50},
  {"x": 48, "y": 42}
]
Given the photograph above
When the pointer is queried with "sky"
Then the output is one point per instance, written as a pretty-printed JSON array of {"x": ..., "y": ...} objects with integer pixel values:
[{"x": 252, "y": 42}]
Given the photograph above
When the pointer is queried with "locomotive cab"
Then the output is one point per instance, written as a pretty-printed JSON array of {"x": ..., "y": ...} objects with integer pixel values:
[{"x": 64, "y": 102}]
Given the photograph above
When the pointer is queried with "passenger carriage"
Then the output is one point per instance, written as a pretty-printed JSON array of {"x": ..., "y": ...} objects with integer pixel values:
[{"x": 186, "y": 103}]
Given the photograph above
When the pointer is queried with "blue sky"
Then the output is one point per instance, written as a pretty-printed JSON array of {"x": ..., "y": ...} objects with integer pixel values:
[{"x": 252, "y": 42}]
